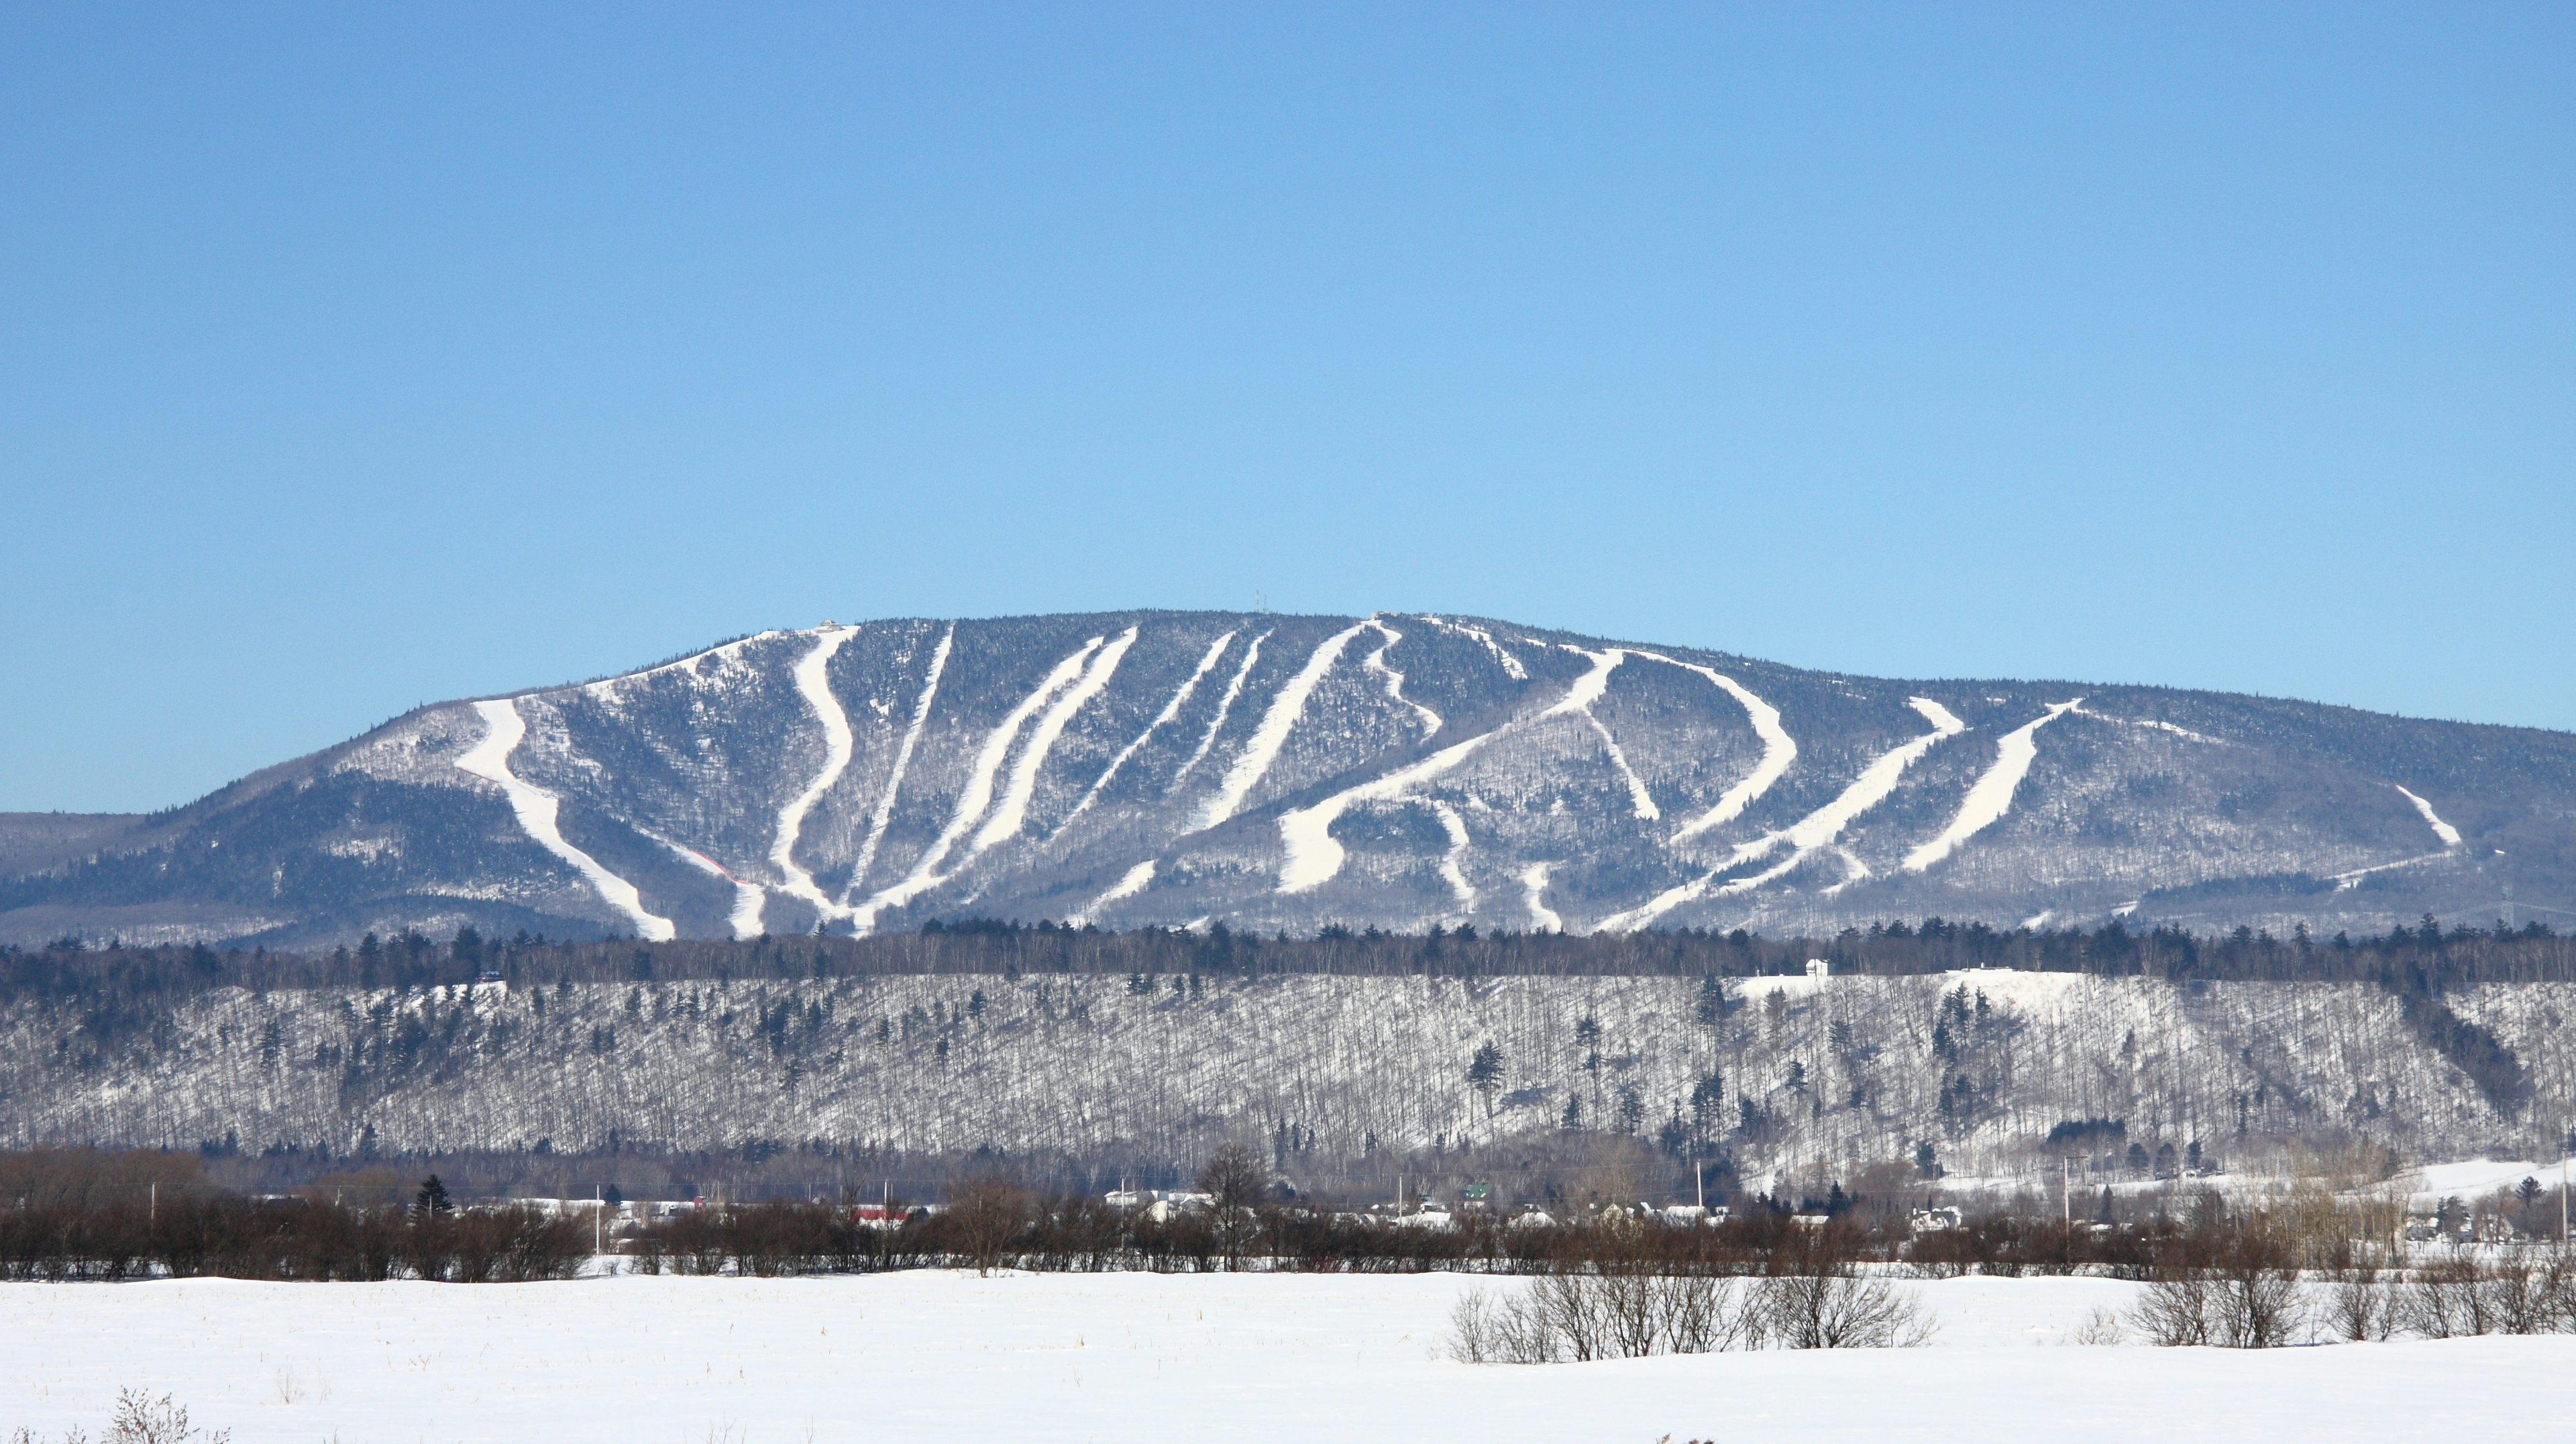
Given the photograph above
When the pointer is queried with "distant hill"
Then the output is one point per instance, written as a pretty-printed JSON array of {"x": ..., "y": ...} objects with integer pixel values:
[{"x": 1288, "y": 773}]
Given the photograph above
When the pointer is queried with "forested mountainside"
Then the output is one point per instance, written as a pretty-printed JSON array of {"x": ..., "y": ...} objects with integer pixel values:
[
  {"x": 1981, "y": 1066},
  {"x": 2429, "y": 1043},
  {"x": 1289, "y": 773}
]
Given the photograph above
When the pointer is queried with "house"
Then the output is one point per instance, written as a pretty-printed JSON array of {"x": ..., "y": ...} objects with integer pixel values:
[
  {"x": 1936, "y": 1220},
  {"x": 1818, "y": 968}
]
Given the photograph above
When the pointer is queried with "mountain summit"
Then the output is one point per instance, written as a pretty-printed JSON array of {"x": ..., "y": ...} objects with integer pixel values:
[{"x": 1279, "y": 772}]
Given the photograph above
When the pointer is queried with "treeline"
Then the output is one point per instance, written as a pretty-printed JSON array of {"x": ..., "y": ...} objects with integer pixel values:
[{"x": 2425, "y": 960}]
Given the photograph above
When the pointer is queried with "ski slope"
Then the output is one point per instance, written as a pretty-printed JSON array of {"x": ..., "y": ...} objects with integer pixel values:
[
  {"x": 884, "y": 813},
  {"x": 1012, "y": 812},
  {"x": 1991, "y": 797},
  {"x": 1578, "y": 700},
  {"x": 536, "y": 808},
  {"x": 1171, "y": 709},
  {"x": 1276, "y": 723},
  {"x": 977, "y": 796},
  {"x": 816, "y": 688},
  {"x": 1248, "y": 1358},
  {"x": 1779, "y": 749},
  {"x": 2450, "y": 835},
  {"x": 1810, "y": 834},
  {"x": 1224, "y": 708},
  {"x": 1393, "y": 680}
]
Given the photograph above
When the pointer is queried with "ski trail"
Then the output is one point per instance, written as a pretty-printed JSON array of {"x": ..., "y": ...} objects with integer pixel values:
[
  {"x": 1512, "y": 667},
  {"x": 1224, "y": 705},
  {"x": 902, "y": 761},
  {"x": 1126, "y": 887},
  {"x": 2160, "y": 726},
  {"x": 1854, "y": 870},
  {"x": 1012, "y": 813},
  {"x": 1810, "y": 834},
  {"x": 1450, "y": 862},
  {"x": 1395, "y": 680},
  {"x": 2450, "y": 835},
  {"x": 750, "y": 899},
  {"x": 1313, "y": 858},
  {"x": 1578, "y": 699},
  {"x": 536, "y": 808},
  {"x": 978, "y": 794},
  {"x": 1272, "y": 734},
  {"x": 2347, "y": 881},
  {"x": 1170, "y": 710},
  {"x": 606, "y": 687},
  {"x": 1779, "y": 749},
  {"x": 817, "y": 691},
  {"x": 1534, "y": 891},
  {"x": 1992, "y": 795}
]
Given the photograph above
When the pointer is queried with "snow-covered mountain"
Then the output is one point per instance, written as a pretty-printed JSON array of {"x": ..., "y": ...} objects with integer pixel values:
[{"x": 1282, "y": 772}]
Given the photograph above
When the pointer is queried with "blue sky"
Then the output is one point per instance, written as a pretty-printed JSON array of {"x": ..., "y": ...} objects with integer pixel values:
[{"x": 353, "y": 357}]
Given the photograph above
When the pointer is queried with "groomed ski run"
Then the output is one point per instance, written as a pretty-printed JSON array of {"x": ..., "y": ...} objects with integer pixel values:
[
  {"x": 1012, "y": 813},
  {"x": 535, "y": 808},
  {"x": 816, "y": 688},
  {"x": 1394, "y": 680},
  {"x": 1171, "y": 709},
  {"x": 1276, "y": 723},
  {"x": 884, "y": 814},
  {"x": 1810, "y": 834},
  {"x": 977, "y": 798},
  {"x": 1992, "y": 796},
  {"x": 1224, "y": 707}
]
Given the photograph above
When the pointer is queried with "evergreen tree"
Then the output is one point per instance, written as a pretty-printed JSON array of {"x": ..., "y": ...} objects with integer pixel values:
[
  {"x": 432, "y": 1200},
  {"x": 1485, "y": 1074}
]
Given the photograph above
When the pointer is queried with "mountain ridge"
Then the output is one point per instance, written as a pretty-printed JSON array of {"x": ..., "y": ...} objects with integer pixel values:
[{"x": 1284, "y": 772}]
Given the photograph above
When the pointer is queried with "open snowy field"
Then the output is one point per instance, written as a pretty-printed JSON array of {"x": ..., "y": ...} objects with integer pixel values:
[{"x": 945, "y": 1356}]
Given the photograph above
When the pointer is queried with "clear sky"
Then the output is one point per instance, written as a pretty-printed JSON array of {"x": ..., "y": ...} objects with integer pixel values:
[{"x": 358, "y": 356}]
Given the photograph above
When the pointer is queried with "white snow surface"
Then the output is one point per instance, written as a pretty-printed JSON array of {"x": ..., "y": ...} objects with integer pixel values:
[
  {"x": 2450, "y": 835},
  {"x": 1512, "y": 667},
  {"x": 1534, "y": 892},
  {"x": 1578, "y": 699},
  {"x": 1452, "y": 868},
  {"x": 750, "y": 899},
  {"x": 1815, "y": 831},
  {"x": 1126, "y": 887},
  {"x": 1012, "y": 812},
  {"x": 1306, "y": 834},
  {"x": 1394, "y": 680},
  {"x": 1171, "y": 709},
  {"x": 1252, "y": 1358},
  {"x": 1272, "y": 734},
  {"x": 1992, "y": 796},
  {"x": 816, "y": 688},
  {"x": 902, "y": 761},
  {"x": 1779, "y": 749},
  {"x": 535, "y": 808},
  {"x": 1224, "y": 706},
  {"x": 978, "y": 794}
]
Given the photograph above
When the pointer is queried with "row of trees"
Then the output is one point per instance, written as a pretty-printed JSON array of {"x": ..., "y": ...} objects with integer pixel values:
[{"x": 2425, "y": 958}]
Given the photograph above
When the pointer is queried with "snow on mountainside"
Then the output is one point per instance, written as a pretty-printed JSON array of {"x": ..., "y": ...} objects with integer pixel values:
[{"x": 1289, "y": 772}]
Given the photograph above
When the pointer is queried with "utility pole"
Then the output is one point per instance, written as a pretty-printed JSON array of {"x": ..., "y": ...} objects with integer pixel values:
[{"x": 2066, "y": 1191}]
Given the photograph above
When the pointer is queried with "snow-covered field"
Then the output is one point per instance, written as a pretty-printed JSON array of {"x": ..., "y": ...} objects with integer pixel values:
[{"x": 949, "y": 1356}]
